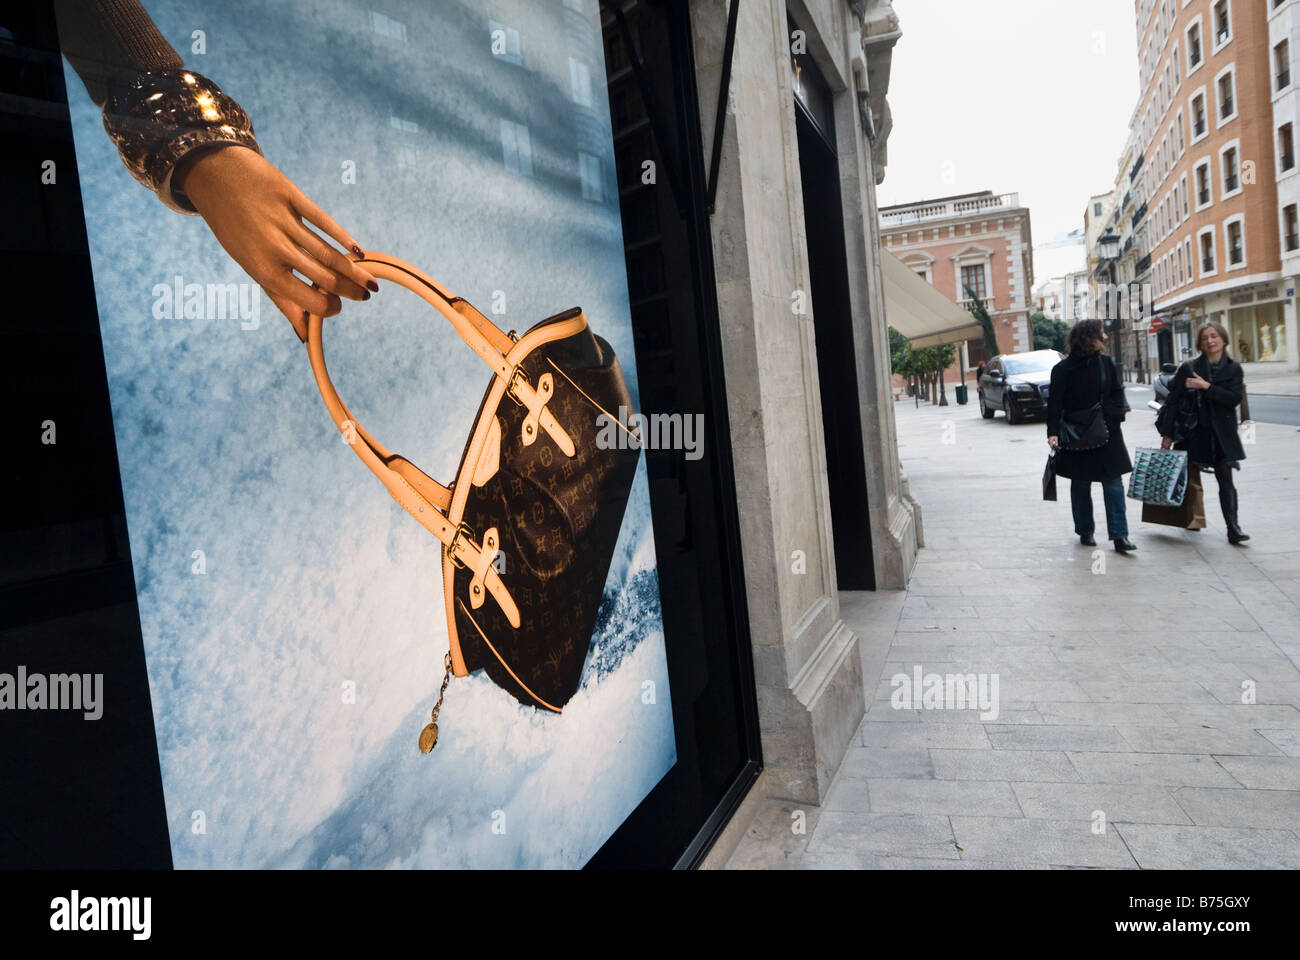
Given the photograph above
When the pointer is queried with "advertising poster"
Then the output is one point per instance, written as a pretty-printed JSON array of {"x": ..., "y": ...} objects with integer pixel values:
[{"x": 293, "y": 613}]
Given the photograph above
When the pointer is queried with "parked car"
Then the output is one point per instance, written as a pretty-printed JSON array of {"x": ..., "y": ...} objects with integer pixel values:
[{"x": 1017, "y": 384}]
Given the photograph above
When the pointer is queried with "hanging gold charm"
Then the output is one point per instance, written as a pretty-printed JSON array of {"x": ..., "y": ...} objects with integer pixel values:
[{"x": 429, "y": 735}]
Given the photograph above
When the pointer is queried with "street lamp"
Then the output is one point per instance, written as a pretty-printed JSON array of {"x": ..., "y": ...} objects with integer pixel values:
[{"x": 1108, "y": 251}]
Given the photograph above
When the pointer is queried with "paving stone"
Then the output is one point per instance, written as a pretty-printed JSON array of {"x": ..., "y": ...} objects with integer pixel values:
[
  {"x": 906, "y": 835},
  {"x": 1196, "y": 739},
  {"x": 1152, "y": 768},
  {"x": 1147, "y": 803},
  {"x": 866, "y": 762},
  {"x": 1263, "y": 773},
  {"x": 1174, "y": 691},
  {"x": 1286, "y": 739},
  {"x": 1103, "y": 713},
  {"x": 1237, "y": 807},
  {"x": 1161, "y": 847},
  {"x": 1008, "y": 765},
  {"x": 1254, "y": 715},
  {"x": 1069, "y": 842},
  {"x": 924, "y": 735},
  {"x": 1055, "y": 737},
  {"x": 976, "y": 797}
]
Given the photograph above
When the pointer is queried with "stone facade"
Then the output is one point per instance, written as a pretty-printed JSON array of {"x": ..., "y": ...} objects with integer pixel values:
[{"x": 808, "y": 663}]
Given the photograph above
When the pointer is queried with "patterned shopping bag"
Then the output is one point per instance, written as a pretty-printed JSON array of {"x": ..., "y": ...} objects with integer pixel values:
[{"x": 1159, "y": 476}]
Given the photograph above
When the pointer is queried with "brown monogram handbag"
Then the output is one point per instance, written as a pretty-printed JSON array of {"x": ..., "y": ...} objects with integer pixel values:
[{"x": 534, "y": 484}]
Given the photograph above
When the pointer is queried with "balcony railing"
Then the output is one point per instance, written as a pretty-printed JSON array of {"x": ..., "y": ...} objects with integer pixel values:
[
  {"x": 1288, "y": 161},
  {"x": 1142, "y": 266},
  {"x": 1221, "y": 37},
  {"x": 1199, "y": 126},
  {"x": 1138, "y": 214},
  {"x": 1137, "y": 167},
  {"x": 1234, "y": 255},
  {"x": 1194, "y": 58},
  {"x": 1284, "y": 79},
  {"x": 1207, "y": 264},
  {"x": 968, "y": 206},
  {"x": 1230, "y": 183},
  {"x": 1293, "y": 241},
  {"x": 1225, "y": 109},
  {"x": 1203, "y": 197}
]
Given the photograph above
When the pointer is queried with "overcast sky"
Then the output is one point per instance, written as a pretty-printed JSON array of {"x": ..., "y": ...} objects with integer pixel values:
[{"x": 1027, "y": 96}]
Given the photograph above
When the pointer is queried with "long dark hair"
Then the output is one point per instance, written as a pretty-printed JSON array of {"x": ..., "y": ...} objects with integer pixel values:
[{"x": 1084, "y": 338}]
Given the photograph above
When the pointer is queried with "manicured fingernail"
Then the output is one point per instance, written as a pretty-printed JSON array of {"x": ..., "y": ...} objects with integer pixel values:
[
  {"x": 357, "y": 250},
  {"x": 365, "y": 295},
  {"x": 372, "y": 285}
]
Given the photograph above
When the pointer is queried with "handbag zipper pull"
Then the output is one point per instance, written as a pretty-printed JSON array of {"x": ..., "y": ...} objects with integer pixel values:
[{"x": 429, "y": 735}]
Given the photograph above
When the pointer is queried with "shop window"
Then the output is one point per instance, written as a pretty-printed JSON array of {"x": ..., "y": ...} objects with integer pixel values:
[
  {"x": 1290, "y": 228},
  {"x": 1282, "y": 64},
  {"x": 1286, "y": 147},
  {"x": 1258, "y": 333}
]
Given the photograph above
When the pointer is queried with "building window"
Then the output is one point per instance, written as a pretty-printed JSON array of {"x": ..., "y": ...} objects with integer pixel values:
[
  {"x": 1282, "y": 61},
  {"x": 387, "y": 26},
  {"x": 1198, "y": 117},
  {"x": 505, "y": 43},
  {"x": 1222, "y": 19},
  {"x": 1203, "y": 197},
  {"x": 1286, "y": 147},
  {"x": 1290, "y": 228},
  {"x": 1179, "y": 124},
  {"x": 580, "y": 83},
  {"x": 1180, "y": 266},
  {"x": 1227, "y": 102},
  {"x": 1236, "y": 249},
  {"x": 1186, "y": 209},
  {"x": 1231, "y": 172},
  {"x": 516, "y": 148},
  {"x": 972, "y": 282},
  {"x": 1194, "y": 56},
  {"x": 1096, "y": 209},
  {"x": 589, "y": 172},
  {"x": 1178, "y": 80},
  {"x": 1207, "y": 252}
]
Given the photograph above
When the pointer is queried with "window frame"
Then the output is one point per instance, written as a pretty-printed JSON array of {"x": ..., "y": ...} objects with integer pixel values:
[{"x": 1239, "y": 220}]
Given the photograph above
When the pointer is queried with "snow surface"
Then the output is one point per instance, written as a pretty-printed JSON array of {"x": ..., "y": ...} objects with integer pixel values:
[{"x": 315, "y": 579}]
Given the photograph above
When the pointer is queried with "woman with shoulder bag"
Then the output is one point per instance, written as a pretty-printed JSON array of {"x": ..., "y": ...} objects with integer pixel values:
[
  {"x": 1085, "y": 407},
  {"x": 1210, "y": 387}
]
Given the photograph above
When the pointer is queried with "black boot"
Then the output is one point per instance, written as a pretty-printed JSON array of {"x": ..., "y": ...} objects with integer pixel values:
[
  {"x": 1228, "y": 501},
  {"x": 1086, "y": 540},
  {"x": 1124, "y": 545}
]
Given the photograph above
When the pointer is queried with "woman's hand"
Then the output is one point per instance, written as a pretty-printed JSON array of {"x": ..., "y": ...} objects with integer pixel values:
[
  {"x": 257, "y": 214},
  {"x": 1195, "y": 381},
  {"x": 1166, "y": 443},
  {"x": 1053, "y": 442}
]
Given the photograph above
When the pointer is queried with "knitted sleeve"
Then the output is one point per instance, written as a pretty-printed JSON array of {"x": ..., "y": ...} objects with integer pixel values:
[{"x": 155, "y": 110}]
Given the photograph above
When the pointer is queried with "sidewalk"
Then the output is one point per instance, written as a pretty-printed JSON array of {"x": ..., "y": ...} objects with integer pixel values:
[
  {"x": 1266, "y": 380},
  {"x": 1121, "y": 739}
]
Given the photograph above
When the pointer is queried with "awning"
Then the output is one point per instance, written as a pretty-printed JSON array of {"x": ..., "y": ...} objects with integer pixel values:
[{"x": 920, "y": 312}]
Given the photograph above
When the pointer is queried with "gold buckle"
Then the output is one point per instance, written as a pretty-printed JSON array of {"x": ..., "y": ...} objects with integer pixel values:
[
  {"x": 462, "y": 530},
  {"x": 516, "y": 375}
]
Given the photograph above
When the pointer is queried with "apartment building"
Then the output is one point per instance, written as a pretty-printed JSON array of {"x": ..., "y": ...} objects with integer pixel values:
[
  {"x": 1213, "y": 175},
  {"x": 977, "y": 242}
]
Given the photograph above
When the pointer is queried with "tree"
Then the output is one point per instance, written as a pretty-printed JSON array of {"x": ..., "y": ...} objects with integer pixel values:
[
  {"x": 986, "y": 322},
  {"x": 1049, "y": 334}
]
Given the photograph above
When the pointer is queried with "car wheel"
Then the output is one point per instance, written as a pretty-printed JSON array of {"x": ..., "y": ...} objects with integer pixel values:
[
  {"x": 1010, "y": 409},
  {"x": 985, "y": 412}
]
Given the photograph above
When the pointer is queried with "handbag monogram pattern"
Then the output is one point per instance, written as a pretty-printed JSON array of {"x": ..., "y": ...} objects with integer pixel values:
[{"x": 533, "y": 486}]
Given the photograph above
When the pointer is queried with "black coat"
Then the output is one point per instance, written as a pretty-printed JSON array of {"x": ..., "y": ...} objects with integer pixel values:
[
  {"x": 1077, "y": 385},
  {"x": 1215, "y": 438}
]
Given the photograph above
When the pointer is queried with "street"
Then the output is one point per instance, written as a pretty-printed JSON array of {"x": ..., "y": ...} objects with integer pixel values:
[
  {"x": 1263, "y": 409},
  {"x": 1148, "y": 703}
]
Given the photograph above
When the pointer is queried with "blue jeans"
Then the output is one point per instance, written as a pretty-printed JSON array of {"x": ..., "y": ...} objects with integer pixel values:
[{"x": 1112, "y": 493}]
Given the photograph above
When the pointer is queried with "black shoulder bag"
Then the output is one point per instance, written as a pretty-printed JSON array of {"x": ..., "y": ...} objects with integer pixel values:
[{"x": 1086, "y": 429}]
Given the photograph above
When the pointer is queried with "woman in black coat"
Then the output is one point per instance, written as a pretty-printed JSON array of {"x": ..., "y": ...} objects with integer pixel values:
[
  {"x": 1079, "y": 381},
  {"x": 1211, "y": 385}
]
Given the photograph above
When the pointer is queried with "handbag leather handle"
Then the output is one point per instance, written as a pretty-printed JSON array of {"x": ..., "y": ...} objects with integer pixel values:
[{"x": 420, "y": 495}]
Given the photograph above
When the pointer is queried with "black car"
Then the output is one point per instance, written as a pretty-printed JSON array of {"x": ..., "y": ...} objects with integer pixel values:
[{"x": 1017, "y": 383}]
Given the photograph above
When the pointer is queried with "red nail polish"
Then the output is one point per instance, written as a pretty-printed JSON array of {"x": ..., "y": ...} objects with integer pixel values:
[
  {"x": 372, "y": 285},
  {"x": 357, "y": 250},
  {"x": 366, "y": 295}
]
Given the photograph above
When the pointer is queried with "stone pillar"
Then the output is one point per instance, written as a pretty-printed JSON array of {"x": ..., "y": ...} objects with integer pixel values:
[{"x": 806, "y": 661}]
